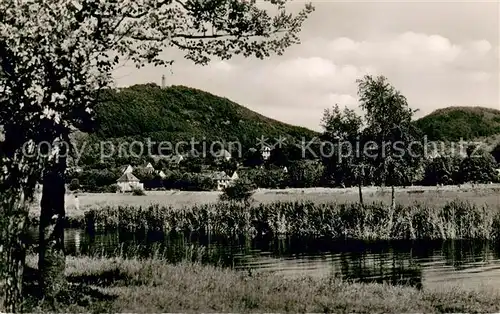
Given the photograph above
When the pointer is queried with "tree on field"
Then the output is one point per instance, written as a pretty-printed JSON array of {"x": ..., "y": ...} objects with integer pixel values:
[
  {"x": 345, "y": 163},
  {"x": 442, "y": 170},
  {"x": 389, "y": 124},
  {"x": 478, "y": 167},
  {"x": 496, "y": 153},
  {"x": 304, "y": 174},
  {"x": 55, "y": 59},
  {"x": 241, "y": 191}
]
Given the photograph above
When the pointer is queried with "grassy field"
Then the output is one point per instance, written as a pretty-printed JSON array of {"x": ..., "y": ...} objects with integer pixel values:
[
  {"x": 432, "y": 196},
  {"x": 149, "y": 286}
]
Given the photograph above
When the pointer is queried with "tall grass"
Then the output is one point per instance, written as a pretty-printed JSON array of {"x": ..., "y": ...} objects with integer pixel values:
[{"x": 455, "y": 220}]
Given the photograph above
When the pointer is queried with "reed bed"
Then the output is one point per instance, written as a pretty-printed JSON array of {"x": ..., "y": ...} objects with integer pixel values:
[{"x": 377, "y": 221}]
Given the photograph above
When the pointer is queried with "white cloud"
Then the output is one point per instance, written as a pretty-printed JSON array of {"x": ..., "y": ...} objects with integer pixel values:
[
  {"x": 412, "y": 49},
  {"x": 480, "y": 76},
  {"x": 305, "y": 68},
  {"x": 222, "y": 66},
  {"x": 481, "y": 47},
  {"x": 342, "y": 100}
]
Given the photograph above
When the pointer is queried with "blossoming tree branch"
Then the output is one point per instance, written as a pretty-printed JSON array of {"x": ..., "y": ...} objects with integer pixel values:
[{"x": 55, "y": 58}]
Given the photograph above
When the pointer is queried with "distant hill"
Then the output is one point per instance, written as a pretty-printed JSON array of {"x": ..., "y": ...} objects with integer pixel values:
[
  {"x": 456, "y": 123},
  {"x": 180, "y": 113}
]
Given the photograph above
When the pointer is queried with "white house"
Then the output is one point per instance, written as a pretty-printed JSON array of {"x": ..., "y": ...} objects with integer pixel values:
[
  {"x": 266, "y": 152},
  {"x": 175, "y": 159},
  {"x": 128, "y": 182},
  {"x": 161, "y": 174},
  {"x": 221, "y": 179},
  {"x": 223, "y": 154},
  {"x": 234, "y": 176}
]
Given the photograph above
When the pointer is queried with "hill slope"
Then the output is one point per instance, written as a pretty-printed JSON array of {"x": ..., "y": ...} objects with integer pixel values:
[
  {"x": 456, "y": 123},
  {"x": 181, "y": 113}
]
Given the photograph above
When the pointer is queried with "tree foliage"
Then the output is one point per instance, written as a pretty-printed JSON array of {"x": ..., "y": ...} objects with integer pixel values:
[
  {"x": 389, "y": 125},
  {"x": 342, "y": 130},
  {"x": 240, "y": 191}
]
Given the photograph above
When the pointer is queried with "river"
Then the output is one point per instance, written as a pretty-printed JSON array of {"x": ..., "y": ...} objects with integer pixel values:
[{"x": 468, "y": 264}]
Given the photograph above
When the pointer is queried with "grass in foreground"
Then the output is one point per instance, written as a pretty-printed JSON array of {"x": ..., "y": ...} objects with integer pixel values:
[{"x": 117, "y": 285}]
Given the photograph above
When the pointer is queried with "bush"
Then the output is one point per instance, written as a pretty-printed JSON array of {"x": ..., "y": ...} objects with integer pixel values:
[
  {"x": 74, "y": 185},
  {"x": 112, "y": 188},
  {"x": 138, "y": 192},
  {"x": 267, "y": 179},
  {"x": 241, "y": 190}
]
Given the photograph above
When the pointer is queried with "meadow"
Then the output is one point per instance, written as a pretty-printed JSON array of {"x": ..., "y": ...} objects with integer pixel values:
[
  {"x": 430, "y": 196},
  {"x": 153, "y": 286}
]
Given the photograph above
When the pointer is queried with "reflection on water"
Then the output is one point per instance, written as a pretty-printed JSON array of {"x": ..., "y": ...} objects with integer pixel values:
[{"x": 401, "y": 262}]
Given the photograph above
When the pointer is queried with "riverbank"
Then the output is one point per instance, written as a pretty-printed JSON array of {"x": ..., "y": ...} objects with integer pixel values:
[{"x": 152, "y": 285}]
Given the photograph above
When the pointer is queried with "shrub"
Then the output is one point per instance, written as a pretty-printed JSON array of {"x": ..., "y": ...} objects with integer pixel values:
[
  {"x": 138, "y": 192},
  {"x": 241, "y": 190},
  {"x": 112, "y": 188},
  {"x": 74, "y": 185}
]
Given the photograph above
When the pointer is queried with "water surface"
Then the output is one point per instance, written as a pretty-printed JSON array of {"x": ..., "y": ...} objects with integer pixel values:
[{"x": 469, "y": 264}]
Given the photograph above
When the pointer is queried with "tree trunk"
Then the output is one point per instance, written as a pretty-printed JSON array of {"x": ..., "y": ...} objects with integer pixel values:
[
  {"x": 14, "y": 253},
  {"x": 51, "y": 259},
  {"x": 16, "y": 190},
  {"x": 360, "y": 190},
  {"x": 393, "y": 198}
]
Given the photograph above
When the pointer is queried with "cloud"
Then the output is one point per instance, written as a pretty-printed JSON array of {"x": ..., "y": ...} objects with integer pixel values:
[
  {"x": 412, "y": 49},
  {"x": 222, "y": 66},
  {"x": 315, "y": 74},
  {"x": 481, "y": 47}
]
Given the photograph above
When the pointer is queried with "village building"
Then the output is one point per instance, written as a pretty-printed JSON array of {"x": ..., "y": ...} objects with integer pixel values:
[
  {"x": 221, "y": 179},
  {"x": 266, "y": 152},
  {"x": 161, "y": 174},
  {"x": 128, "y": 182},
  {"x": 127, "y": 169},
  {"x": 235, "y": 176},
  {"x": 149, "y": 167},
  {"x": 223, "y": 155},
  {"x": 175, "y": 160}
]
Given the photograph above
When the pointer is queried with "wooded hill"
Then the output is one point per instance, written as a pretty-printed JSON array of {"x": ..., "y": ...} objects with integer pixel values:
[
  {"x": 456, "y": 123},
  {"x": 181, "y": 113}
]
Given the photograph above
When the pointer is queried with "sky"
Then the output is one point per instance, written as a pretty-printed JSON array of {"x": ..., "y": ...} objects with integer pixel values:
[{"x": 437, "y": 54}]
